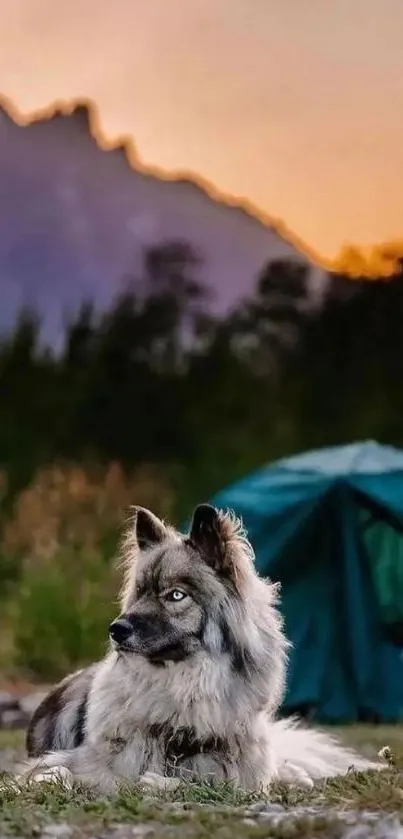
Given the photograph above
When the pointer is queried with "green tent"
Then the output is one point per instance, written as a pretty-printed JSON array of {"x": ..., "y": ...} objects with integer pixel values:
[{"x": 329, "y": 526}]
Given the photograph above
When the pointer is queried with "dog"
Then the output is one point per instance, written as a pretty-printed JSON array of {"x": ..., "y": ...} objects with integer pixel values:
[{"x": 193, "y": 678}]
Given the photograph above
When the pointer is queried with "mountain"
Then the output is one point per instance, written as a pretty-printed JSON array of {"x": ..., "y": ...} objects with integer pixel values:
[{"x": 75, "y": 218}]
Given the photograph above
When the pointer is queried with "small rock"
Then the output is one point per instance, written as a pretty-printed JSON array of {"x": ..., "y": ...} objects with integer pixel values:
[
  {"x": 351, "y": 818},
  {"x": 136, "y": 831},
  {"x": 389, "y": 828},
  {"x": 359, "y": 831},
  {"x": 57, "y": 831},
  {"x": 8, "y": 702},
  {"x": 266, "y": 807},
  {"x": 271, "y": 819},
  {"x": 12, "y": 718},
  {"x": 370, "y": 815}
]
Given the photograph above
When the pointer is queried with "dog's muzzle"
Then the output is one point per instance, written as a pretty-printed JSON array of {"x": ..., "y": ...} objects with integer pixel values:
[
  {"x": 120, "y": 630},
  {"x": 144, "y": 635}
]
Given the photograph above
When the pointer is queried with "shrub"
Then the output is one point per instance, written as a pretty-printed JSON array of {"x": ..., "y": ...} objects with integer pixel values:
[
  {"x": 63, "y": 536},
  {"x": 61, "y": 613}
]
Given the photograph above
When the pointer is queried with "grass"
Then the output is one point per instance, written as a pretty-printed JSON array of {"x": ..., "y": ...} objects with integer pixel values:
[{"x": 197, "y": 810}]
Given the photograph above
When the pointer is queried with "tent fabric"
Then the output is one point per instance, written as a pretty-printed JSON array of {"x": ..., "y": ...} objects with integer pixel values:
[{"x": 328, "y": 525}]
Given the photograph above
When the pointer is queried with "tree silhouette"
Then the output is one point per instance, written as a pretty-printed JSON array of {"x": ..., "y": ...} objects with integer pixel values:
[
  {"x": 158, "y": 378},
  {"x": 176, "y": 297},
  {"x": 267, "y": 325},
  {"x": 349, "y": 365}
]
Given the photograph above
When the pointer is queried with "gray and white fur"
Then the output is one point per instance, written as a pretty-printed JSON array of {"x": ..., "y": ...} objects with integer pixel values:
[{"x": 194, "y": 676}]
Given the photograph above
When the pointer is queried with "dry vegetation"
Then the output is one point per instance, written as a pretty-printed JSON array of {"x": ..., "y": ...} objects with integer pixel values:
[{"x": 59, "y": 552}]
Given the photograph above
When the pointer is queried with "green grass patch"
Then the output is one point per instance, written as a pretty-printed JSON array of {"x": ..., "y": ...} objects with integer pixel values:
[
  {"x": 202, "y": 810},
  {"x": 12, "y": 740},
  {"x": 193, "y": 811}
]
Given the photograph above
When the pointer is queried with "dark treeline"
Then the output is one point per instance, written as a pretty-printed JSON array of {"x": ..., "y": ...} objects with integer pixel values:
[{"x": 157, "y": 379}]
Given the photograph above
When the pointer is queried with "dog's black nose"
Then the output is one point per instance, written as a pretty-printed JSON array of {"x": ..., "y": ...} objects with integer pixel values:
[{"x": 120, "y": 630}]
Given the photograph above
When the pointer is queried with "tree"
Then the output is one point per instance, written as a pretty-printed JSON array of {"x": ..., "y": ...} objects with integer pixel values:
[
  {"x": 132, "y": 406},
  {"x": 176, "y": 297},
  {"x": 348, "y": 371},
  {"x": 27, "y": 387},
  {"x": 266, "y": 326}
]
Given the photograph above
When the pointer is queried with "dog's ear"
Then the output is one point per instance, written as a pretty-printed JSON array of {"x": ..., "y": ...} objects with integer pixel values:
[
  {"x": 207, "y": 536},
  {"x": 220, "y": 539},
  {"x": 149, "y": 530}
]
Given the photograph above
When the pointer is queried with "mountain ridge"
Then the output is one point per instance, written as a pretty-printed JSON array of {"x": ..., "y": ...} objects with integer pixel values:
[
  {"x": 126, "y": 143},
  {"x": 76, "y": 216}
]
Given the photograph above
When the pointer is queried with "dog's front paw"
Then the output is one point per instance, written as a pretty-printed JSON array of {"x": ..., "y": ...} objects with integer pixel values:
[
  {"x": 151, "y": 780},
  {"x": 50, "y": 775},
  {"x": 295, "y": 775}
]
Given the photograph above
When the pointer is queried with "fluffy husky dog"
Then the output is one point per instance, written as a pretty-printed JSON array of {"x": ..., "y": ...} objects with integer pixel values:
[{"x": 193, "y": 678}]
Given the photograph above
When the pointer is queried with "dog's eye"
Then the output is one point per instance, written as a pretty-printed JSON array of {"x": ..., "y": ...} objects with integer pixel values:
[{"x": 176, "y": 595}]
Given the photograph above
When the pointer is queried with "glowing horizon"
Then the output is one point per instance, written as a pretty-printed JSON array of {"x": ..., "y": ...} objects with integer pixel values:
[
  {"x": 328, "y": 195},
  {"x": 128, "y": 144}
]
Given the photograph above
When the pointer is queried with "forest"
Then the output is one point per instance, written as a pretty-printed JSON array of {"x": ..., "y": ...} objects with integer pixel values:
[{"x": 161, "y": 401}]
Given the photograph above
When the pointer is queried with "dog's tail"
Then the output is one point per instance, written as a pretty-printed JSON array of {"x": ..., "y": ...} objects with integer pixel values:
[{"x": 304, "y": 755}]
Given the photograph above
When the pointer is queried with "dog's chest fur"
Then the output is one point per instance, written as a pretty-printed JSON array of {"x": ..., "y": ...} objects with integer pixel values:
[
  {"x": 197, "y": 697},
  {"x": 167, "y": 751},
  {"x": 159, "y": 723}
]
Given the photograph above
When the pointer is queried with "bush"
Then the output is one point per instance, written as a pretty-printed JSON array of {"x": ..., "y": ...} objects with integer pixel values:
[
  {"x": 63, "y": 538},
  {"x": 61, "y": 613}
]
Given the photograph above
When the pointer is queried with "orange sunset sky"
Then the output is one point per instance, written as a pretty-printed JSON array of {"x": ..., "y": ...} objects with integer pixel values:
[{"x": 295, "y": 105}]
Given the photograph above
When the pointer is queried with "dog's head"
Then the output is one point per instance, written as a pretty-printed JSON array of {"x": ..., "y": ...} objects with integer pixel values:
[{"x": 188, "y": 593}]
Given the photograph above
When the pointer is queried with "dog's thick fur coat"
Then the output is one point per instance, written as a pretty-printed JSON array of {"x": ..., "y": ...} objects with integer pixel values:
[{"x": 194, "y": 676}]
